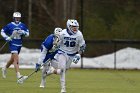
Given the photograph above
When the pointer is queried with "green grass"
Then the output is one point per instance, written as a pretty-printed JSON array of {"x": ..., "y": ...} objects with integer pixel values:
[{"x": 78, "y": 81}]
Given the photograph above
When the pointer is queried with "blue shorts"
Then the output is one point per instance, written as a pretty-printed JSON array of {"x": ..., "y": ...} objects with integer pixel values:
[{"x": 14, "y": 49}]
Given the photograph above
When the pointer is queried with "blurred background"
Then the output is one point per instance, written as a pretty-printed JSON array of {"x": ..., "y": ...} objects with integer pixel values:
[{"x": 107, "y": 25}]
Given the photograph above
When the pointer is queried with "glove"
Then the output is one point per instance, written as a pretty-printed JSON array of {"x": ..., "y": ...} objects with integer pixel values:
[
  {"x": 37, "y": 68},
  {"x": 82, "y": 48},
  {"x": 21, "y": 32},
  {"x": 8, "y": 39},
  {"x": 76, "y": 58}
]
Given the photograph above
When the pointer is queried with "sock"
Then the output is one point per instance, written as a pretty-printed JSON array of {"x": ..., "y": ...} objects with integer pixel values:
[
  {"x": 4, "y": 67},
  {"x": 18, "y": 75},
  {"x": 62, "y": 79}
]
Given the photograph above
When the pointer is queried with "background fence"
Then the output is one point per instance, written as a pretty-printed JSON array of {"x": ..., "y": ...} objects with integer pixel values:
[{"x": 95, "y": 48}]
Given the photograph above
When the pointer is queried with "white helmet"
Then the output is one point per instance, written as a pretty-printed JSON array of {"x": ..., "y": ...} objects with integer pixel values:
[
  {"x": 57, "y": 31},
  {"x": 72, "y": 26},
  {"x": 16, "y": 14},
  {"x": 16, "y": 17}
]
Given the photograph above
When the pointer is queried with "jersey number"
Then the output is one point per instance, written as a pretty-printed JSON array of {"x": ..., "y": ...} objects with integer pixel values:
[{"x": 70, "y": 43}]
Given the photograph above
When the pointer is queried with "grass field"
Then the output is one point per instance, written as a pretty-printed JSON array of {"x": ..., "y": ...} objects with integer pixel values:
[{"x": 78, "y": 81}]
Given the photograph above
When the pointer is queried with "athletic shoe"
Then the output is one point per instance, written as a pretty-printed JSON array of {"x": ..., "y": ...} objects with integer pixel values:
[
  {"x": 42, "y": 85},
  {"x": 63, "y": 90},
  {"x": 3, "y": 72}
]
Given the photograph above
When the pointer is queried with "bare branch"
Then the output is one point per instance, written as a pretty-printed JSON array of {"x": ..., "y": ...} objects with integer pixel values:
[{"x": 43, "y": 5}]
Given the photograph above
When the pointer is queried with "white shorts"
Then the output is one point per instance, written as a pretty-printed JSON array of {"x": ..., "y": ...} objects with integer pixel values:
[{"x": 62, "y": 61}]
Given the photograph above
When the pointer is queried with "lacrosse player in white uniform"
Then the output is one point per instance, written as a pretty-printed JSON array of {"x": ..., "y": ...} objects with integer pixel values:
[{"x": 72, "y": 44}]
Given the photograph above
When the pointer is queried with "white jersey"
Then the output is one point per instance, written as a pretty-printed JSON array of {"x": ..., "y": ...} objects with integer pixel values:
[{"x": 71, "y": 44}]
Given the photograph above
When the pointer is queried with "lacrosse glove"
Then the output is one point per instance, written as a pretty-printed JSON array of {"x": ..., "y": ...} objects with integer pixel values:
[
  {"x": 21, "y": 32},
  {"x": 76, "y": 58},
  {"x": 37, "y": 68},
  {"x": 8, "y": 39}
]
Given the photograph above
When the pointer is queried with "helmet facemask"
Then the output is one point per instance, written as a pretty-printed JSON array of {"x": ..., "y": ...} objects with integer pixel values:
[
  {"x": 17, "y": 19},
  {"x": 56, "y": 40},
  {"x": 74, "y": 29}
]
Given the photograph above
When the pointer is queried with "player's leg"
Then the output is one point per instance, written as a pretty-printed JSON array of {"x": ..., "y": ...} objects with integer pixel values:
[
  {"x": 43, "y": 76},
  {"x": 15, "y": 50},
  {"x": 62, "y": 59},
  {"x": 7, "y": 66},
  {"x": 68, "y": 64},
  {"x": 9, "y": 62},
  {"x": 16, "y": 64}
]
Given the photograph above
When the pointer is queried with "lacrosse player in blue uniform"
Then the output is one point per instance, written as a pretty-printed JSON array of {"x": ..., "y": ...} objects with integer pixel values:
[
  {"x": 48, "y": 50},
  {"x": 13, "y": 34}
]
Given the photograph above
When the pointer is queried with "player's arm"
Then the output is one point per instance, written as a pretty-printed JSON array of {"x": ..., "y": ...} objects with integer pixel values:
[
  {"x": 44, "y": 51},
  {"x": 4, "y": 35},
  {"x": 41, "y": 58},
  {"x": 24, "y": 32},
  {"x": 82, "y": 47}
]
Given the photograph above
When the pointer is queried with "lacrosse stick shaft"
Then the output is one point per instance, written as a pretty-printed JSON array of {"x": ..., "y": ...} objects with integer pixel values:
[
  {"x": 5, "y": 43},
  {"x": 35, "y": 70},
  {"x": 31, "y": 74},
  {"x": 3, "y": 46}
]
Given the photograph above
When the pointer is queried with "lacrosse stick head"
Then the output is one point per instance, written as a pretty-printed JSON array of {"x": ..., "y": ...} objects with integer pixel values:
[{"x": 22, "y": 79}]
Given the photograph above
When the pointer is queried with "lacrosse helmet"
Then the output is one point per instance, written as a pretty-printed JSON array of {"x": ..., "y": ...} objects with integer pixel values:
[
  {"x": 16, "y": 17},
  {"x": 72, "y": 26},
  {"x": 57, "y": 32}
]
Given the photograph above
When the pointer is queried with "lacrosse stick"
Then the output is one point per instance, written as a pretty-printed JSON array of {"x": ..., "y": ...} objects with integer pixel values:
[
  {"x": 3, "y": 46},
  {"x": 6, "y": 42},
  {"x": 23, "y": 78}
]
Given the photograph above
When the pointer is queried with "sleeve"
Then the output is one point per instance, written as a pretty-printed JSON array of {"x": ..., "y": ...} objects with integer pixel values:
[
  {"x": 48, "y": 42},
  {"x": 82, "y": 44},
  {"x": 3, "y": 32},
  {"x": 26, "y": 30},
  {"x": 81, "y": 40},
  {"x": 42, "y": 55}
]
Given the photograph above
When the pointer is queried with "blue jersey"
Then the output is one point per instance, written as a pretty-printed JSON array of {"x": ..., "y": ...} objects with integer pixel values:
[
  {"x": 51, "y": 50},
  {"x": 8, "y": 30}
]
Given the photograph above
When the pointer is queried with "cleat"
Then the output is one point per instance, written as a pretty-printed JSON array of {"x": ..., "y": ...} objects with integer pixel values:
[
  {"x": 43, "y": 82},
  {"x": 63, "y": 90},
  {"x": 41, "y": 86},
  {"x": 3, "y": 72},
  {"x": 50, "y": 71}
]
